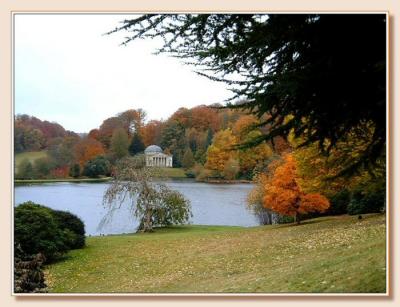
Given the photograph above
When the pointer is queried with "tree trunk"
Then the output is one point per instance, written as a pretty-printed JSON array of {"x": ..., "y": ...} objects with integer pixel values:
[
  {"x": 147, "y": 226},
  {"x": 297, "y": 218}
]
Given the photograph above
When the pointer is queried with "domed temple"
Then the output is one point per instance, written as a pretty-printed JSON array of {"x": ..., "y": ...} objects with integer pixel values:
[{"x": 155, "y": 157}]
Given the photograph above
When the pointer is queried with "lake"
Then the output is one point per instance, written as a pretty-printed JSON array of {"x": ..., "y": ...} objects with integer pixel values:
[{"x": 212, "y": 204}]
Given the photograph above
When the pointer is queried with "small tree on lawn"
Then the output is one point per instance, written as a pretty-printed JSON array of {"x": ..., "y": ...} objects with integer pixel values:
[
  {"x": 153, "y": 203},
  {"x": 284, "y": 195}
]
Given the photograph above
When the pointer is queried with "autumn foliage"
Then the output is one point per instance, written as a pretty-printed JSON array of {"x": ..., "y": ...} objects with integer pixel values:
[
  {"x": 87, "y": 149},
  {"x": 220, "y": 152},
  {"x": 284, "y": 195}
]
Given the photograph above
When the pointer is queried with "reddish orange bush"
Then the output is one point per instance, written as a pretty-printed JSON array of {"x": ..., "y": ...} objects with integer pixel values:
[{"x": 284, "y": 195}]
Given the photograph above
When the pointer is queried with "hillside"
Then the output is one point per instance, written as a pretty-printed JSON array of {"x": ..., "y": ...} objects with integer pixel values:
[
  {"x": 30, "y": 155},
  {"x": 330, "y": 254}
]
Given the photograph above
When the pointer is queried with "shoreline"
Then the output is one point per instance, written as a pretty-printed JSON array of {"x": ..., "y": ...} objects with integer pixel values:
[
  {"x": 225, "y": 181},
  {"x": 78, "y": 180},
  {"x": 106, "y": 179}
]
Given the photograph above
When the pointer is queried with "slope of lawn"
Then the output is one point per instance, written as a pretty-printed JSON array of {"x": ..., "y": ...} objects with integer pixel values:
[
  {"x": 30, "y": 155},
  {"x": 173, "y": 172},
  {"x": 330, "y": 254}
]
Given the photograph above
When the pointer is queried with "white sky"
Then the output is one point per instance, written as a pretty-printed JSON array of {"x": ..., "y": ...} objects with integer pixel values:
[{"x": 67, "y": 71}]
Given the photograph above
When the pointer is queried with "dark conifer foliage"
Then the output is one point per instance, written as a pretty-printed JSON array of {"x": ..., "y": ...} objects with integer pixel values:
[
  {"x": 319, "y": 75},
  {"x": 136, "y": 145}
]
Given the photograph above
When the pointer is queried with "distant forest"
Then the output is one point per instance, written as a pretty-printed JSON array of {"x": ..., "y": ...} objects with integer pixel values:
[{"x": 203, "y": 140}]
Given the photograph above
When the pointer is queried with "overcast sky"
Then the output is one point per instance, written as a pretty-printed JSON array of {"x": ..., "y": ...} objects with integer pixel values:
[{"x": 67, "y": 71}]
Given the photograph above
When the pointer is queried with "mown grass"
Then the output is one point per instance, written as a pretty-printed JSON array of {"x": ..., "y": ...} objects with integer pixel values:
[
  {"x": 30, "y": 155},
  {"x": 170, "y": 172},
  {"x": 328, "y": 255}
]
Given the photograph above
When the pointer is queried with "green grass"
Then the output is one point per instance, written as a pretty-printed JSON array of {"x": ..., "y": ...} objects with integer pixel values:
[
  {"x": 173, "y": 172},
  {"x": 329, "y": 255},
  {"x": 30, "y": 155}
]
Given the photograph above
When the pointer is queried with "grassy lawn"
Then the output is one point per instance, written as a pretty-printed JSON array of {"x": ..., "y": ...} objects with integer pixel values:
[
  {"x": 173, "y": 172},
  {"x": 30, "y": 155},
  {"x": 330, "y": 254}
]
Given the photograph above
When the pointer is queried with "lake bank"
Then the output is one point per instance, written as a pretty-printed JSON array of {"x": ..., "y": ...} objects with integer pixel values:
[{"x": 264, "y": 259}]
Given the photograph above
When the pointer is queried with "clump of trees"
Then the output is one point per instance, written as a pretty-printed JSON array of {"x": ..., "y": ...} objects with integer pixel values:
[{"x": 152, "y": 202}]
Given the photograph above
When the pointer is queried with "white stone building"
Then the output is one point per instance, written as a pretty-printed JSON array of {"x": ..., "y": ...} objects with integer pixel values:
[{"x": 155, "y": 157}]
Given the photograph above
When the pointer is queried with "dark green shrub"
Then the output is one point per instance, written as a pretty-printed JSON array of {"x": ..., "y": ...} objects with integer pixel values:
[
  {"x": 285, "y": 219},
  {"x": 25, "y": 170},
  {"x": 73, "y": 227},
  {"x": 99, "y": 166},
  {"x": 75, "y": 170},
  {"x": 190, "y": 173},
  {"x": 367, "y": 202},
  {"x": 37, "y": 231},
  {"x": 339, "y": 202}
]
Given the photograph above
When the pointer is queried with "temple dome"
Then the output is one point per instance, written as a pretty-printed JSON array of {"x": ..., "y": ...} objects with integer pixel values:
[{"x": 153, "y": 149}]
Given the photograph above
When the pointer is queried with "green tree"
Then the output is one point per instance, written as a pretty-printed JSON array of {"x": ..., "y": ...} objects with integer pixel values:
[
  {"x": 96, "y": 167},
  {"x": 137, "y": 145},
  {"x": 25, "y": 170},
  {"x": 61, "y": 150},
  {"x": 42, "y": 167},
  {"x": 320, "y": 75},
  {"x": 188, "y": 159},
  {"x": 75, "y": 170},
  {"x": 119, "y": 143},
  {"x": 173, "y": 139}
]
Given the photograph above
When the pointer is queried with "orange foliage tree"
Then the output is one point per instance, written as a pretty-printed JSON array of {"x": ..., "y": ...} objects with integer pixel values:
[
  {"x": 87, "y": 149},
  {"x": 151, "y": 132},
  {"x": 284, "y": 195},
  {"x": 204, "y": 117}
]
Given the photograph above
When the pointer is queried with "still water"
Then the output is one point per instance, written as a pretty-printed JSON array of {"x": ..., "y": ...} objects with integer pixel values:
[{"x": 212, "y": 204}]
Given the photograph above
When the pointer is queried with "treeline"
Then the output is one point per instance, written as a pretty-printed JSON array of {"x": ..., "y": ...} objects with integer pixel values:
[
  {"x": 33, "y": 134},
  {"x": 202, "y": 140}
]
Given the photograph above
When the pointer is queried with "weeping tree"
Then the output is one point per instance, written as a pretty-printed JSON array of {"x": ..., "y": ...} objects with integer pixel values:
[{"x": 151, "y": 201}]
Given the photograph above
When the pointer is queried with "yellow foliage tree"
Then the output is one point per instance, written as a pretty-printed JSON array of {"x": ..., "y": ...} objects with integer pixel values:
[
  {"x": 250, "y": 158},
  {"x": 221, "y": 151}
]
